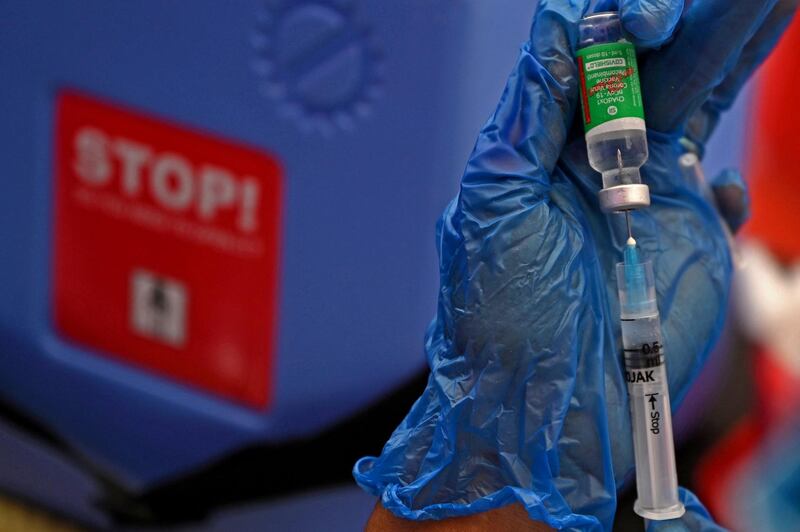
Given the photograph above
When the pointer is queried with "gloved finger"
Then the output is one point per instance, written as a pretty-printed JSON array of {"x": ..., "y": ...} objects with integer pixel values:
[
  {"x": 680, "y": 77},
  {"x": 703, "y": 121},
  {"x": 648, "y": 22},
  {"x": 696, "y": 518},
  {"x": 518, "y": 147},
  {"x": 732, "y": 198}
]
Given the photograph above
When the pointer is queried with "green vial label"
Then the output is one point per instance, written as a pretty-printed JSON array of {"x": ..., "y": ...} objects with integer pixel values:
[{"x": 609, "y": 80}]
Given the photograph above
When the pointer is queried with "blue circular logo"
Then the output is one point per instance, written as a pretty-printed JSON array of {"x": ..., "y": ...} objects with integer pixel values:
[{"x": 316, "y": 63}]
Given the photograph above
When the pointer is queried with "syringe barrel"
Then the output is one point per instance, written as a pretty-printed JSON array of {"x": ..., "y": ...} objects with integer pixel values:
[{"x": 651, "y": 417}]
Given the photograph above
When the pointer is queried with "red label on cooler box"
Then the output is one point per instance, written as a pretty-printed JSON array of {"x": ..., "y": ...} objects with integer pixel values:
[{"x": 166, "y": 247}]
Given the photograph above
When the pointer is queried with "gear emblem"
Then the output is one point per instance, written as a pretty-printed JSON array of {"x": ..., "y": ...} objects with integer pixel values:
[{"x": 317, "y": 63}]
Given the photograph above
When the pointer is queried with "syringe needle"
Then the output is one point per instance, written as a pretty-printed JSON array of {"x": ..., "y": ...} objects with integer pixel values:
[
  {"x": 628, "y": 222},
  {"x": 627, "y": 212}
]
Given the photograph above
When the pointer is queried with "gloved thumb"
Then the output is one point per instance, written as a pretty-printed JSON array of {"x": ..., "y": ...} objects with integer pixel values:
[
  {"x": 696, "y": 518},
  {"x": 732, "y": 198},
  {"x": 649, "y": 22}
]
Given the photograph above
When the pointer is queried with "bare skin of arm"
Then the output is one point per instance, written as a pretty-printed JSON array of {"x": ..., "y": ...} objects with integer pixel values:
[{"x": 511, "y": 518}]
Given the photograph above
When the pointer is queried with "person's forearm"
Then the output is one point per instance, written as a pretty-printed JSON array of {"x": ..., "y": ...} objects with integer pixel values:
[{"x": 511, "y": 517}]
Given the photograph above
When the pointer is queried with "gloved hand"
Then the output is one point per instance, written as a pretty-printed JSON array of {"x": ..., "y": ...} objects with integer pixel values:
[
  {"x": 526, "y": 401},
  {"x": 696, "y": 518}
]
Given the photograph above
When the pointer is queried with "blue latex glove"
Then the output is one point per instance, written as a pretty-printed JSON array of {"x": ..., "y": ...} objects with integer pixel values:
[
  {"x": 526, "y": 401},
  {"x": 696, "y": 518}
]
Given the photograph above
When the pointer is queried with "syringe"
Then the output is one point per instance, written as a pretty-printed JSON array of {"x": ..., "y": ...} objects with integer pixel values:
[
  {"x": 646, "y": 375},
  {"x": 616, "y": 142}
]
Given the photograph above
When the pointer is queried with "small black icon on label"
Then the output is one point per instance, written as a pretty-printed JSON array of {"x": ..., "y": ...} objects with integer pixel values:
[{"x": 158, "y": 308}]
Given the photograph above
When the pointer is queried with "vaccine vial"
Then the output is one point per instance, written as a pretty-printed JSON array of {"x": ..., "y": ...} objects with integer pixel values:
[{"x": 613, "y": 115}]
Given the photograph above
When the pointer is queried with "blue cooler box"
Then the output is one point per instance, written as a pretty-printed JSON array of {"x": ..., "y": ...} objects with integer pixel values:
[{"x": 132, "y": 126}]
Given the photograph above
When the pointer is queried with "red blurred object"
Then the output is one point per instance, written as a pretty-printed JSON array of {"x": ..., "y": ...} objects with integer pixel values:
[
  {"x": 160, "y": 232},
  {"x": 773, "y": 169},
  {"x": 773, "y": 173},
  {"x": 777, "y": 396},
  {"x": 716, "y": 474}
]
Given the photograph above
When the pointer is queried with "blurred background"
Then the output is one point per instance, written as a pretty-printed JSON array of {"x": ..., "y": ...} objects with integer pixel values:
[{"x": 219, "y": 263}]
